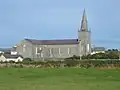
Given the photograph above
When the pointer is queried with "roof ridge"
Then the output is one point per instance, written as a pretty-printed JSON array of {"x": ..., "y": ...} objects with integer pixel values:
[
  {"x": 51, "y": 39},
  {"x": 53, "y": 42}
]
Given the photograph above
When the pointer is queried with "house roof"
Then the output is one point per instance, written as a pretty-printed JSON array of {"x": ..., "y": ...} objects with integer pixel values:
[
  {"x": 5, "y": 49},
  {"x": 98, "y": 49},
  {"x": 11, "y": 56},
  {"x": 53, "y": 42}
]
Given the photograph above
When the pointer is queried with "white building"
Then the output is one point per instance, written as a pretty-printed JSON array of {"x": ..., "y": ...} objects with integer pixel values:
[
  {"x": 9, "y": 57},
  {"x": 98, "y": 50}
]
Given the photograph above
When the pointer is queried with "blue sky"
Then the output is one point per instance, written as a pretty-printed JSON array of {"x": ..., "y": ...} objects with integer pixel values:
[{"x": 58, "y": 19}]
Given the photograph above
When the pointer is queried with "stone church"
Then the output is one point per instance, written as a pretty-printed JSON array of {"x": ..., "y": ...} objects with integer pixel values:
[{"x": 61, "y": 48}]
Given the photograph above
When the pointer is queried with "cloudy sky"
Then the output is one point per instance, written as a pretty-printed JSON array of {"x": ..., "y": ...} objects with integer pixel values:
[{"x": 59, "y": 19}]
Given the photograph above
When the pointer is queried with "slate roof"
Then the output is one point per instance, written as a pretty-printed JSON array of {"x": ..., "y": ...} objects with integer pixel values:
[
  {"x": 11, "y": 56},
  {"x": 53, "y": 42},
  {"x": 5, "y": 49},
  {"x": 98, "y": 49}
]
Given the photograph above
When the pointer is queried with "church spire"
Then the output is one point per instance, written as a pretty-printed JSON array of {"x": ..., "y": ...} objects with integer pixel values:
[{"x": 84, "y": 26}]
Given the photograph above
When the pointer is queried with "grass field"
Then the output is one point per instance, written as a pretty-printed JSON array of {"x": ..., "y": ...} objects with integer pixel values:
[{"x": 59, "y": 79}]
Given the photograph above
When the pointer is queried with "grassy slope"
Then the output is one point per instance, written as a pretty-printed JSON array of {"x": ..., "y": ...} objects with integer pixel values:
[{"x": 59, "y": 79}]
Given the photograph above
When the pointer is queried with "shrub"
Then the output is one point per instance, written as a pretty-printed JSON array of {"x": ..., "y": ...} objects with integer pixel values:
[
  {"x": 11, "y": 61},
  {"x": 71, "y": 63},
  {"x": 27, "y": 60}
]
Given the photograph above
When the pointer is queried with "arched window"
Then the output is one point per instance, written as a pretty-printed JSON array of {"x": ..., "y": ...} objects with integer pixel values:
[{"x": 24, "y": 48}]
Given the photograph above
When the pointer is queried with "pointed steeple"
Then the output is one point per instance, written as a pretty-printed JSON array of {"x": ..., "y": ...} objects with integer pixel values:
[{"x": 84, "y": 26}]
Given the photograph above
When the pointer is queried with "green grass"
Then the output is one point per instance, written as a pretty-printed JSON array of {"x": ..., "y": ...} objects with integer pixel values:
[{"x": 59, "y": 79}]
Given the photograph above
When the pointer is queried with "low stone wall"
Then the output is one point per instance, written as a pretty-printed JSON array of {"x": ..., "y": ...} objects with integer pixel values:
[
  {"x": 62, "y": 64},
  {"x": 13, "y": 65},
  {"x": 9, "y": 65}
]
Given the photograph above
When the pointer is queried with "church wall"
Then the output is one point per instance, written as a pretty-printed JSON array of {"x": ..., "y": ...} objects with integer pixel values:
[
  {"x": 56, "y": 51},
  {"x": 46, "y": 51}
]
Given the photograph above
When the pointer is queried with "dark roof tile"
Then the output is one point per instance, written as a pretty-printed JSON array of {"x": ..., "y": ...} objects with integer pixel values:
[
  {"x": 53, "y": 42},
  {"x": 11, "y": 56},
  {"x": 98, "y": 49}
]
